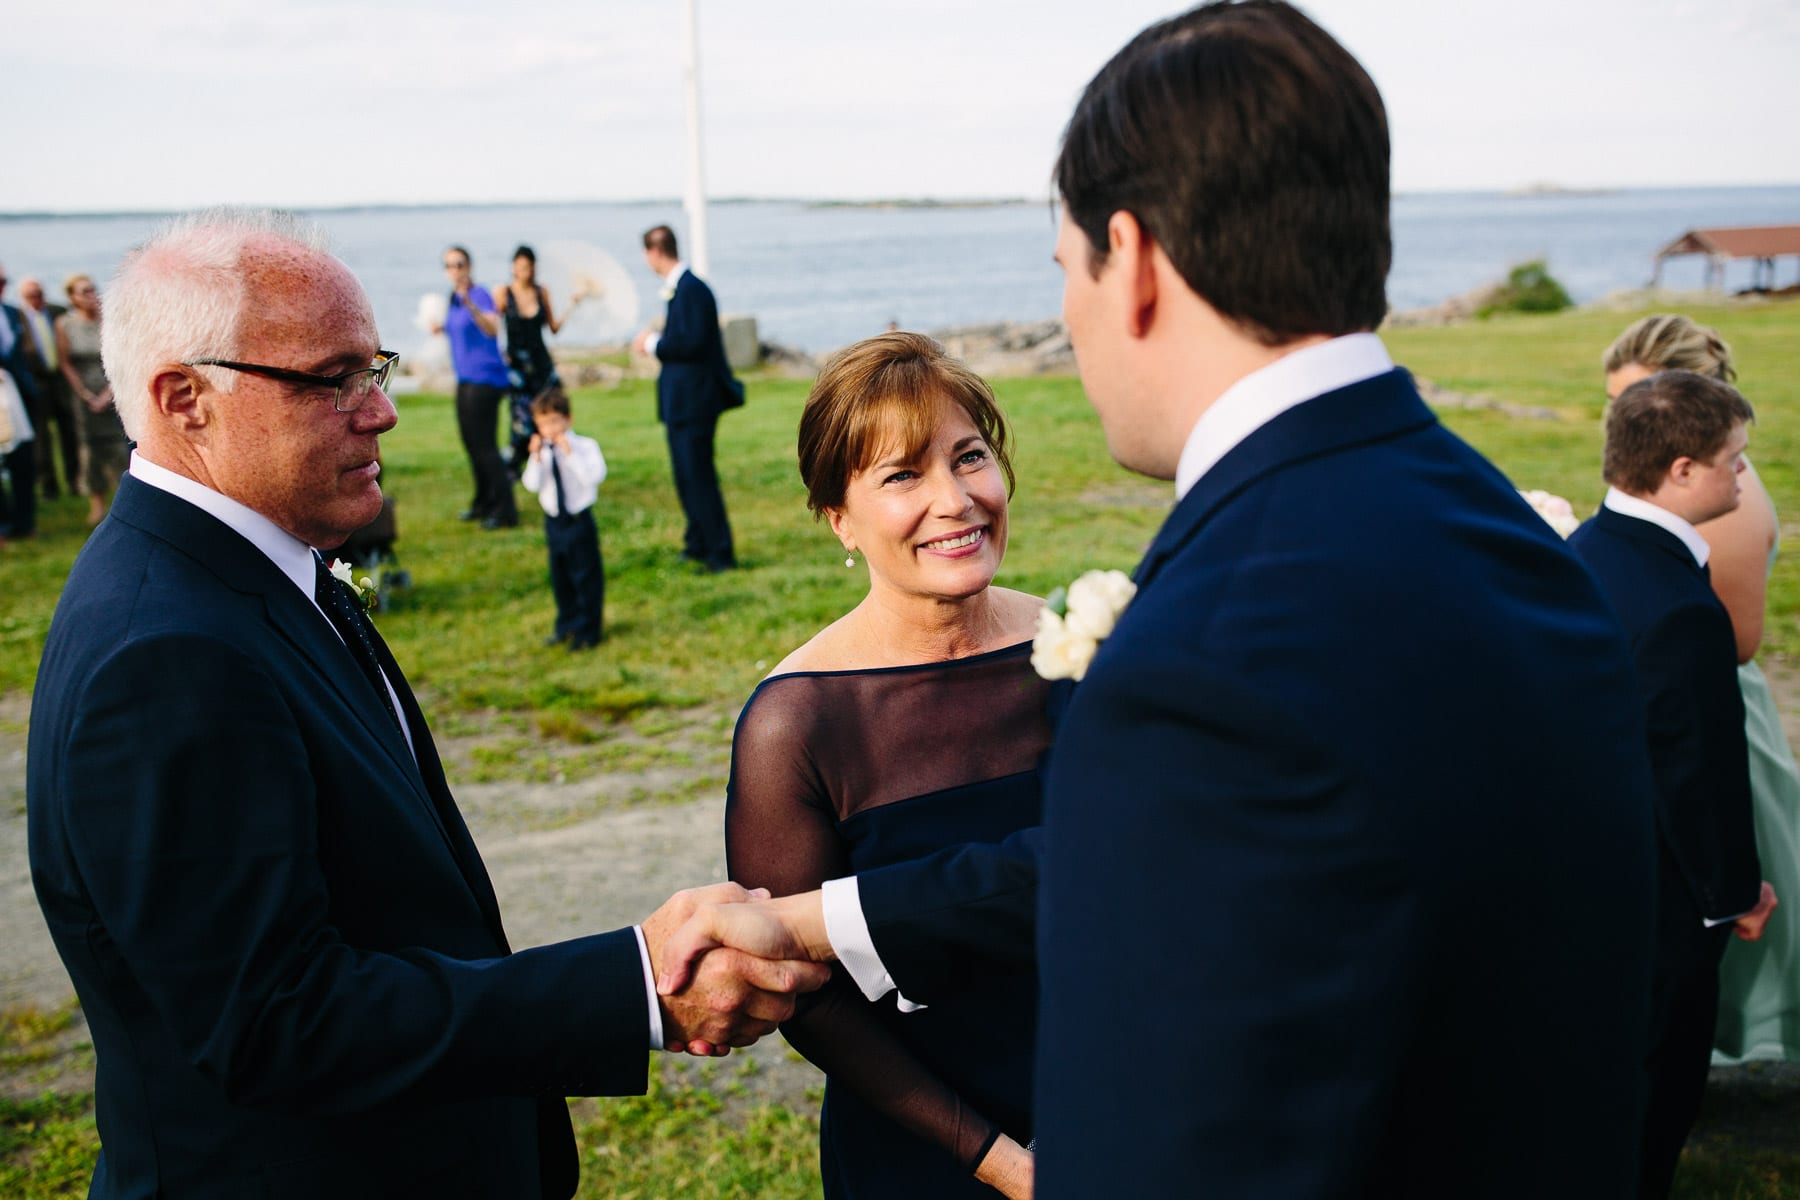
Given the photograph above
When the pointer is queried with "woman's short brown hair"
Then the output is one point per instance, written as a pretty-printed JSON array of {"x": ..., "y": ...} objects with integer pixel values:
[{"x": 883, "y": 389}]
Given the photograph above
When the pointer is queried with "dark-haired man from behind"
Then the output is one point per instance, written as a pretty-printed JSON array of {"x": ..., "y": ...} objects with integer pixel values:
[
  {"x": 1674, "y": 450},
  {"x": 694, "y": 386}
]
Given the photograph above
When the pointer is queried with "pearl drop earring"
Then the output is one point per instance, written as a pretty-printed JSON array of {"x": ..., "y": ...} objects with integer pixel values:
[{"x": 850, "y": 559}]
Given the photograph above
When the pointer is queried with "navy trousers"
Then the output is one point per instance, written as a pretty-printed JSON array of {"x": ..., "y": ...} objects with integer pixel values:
[
  {"x": 577, "y": 575},
  {"x": 708, "y": 538},
  {"x": 18, "y": 510}
]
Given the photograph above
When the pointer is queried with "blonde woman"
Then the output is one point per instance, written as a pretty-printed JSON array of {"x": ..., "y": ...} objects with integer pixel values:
[
  {"x": 1759, "y": 982},
  {"x": 105, "y": 450}
]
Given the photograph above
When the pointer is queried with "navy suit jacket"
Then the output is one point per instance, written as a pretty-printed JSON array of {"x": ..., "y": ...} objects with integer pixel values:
[
  {"x": 695, "y": 383},
  {"x": 1346, "y": 838},
  {"x": 20, "y": 360},
  {"x": 1686, "y": 657},
  {"x": 282, "y": 936}
]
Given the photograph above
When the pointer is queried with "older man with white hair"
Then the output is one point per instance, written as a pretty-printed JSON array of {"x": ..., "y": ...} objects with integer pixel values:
[{"x": 279, "y": 928}]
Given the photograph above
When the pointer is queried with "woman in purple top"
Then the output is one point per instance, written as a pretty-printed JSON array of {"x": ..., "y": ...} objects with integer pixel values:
[{"x": 472, "y": 326}]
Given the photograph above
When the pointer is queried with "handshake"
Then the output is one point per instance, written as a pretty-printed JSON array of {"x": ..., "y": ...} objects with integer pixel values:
[{"x": 729, "y": 963}]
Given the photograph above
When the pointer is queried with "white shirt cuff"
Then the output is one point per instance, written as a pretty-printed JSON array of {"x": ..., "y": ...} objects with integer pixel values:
[
  {"x": 848, "y": 932},
  {"x": 650, "y": 344},
  {"x": 656, "y": 1029}
]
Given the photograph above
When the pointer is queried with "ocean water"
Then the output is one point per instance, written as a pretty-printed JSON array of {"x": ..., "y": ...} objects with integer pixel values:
[{"x": 817, "y": 277}]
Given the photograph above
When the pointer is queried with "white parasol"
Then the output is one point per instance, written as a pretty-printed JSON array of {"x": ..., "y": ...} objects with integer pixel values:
[{"x": 610, "y": 312}]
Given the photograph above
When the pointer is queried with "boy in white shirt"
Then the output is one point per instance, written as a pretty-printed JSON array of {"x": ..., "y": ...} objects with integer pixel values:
[{"x": 565, "y": 470}]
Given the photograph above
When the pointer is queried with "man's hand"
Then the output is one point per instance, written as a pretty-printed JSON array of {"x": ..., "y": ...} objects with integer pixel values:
[
  {"x": 640, "y": 343},
  {"x": 1750, "y": 926},
  {"x": 729, "y": 998},
  {"x": 790, "y": 929}
]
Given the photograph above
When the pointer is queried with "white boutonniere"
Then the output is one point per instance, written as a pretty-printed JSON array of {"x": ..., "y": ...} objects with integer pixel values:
[
  {"x": 364, "y": 591},
  {"x": 668, "y": 292},
  {"x": 1558, "y": 513},
  {"x": 1075, "y": 620}
]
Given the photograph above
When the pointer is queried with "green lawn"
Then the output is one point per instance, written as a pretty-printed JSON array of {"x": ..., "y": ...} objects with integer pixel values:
[{"x": 684, "y": 648}]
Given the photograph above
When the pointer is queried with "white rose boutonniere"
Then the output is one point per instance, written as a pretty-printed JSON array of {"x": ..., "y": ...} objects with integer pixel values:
[
  {"x": 1075, "y": 620},
  {"x": 1558, "y": 513},
  {"x": 364, "y": 591}
]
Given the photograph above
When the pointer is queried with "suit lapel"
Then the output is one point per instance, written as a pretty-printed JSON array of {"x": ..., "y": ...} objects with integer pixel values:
[
  {"x": 1370, "y": 411},
  {"x": 216, "y": 547},
  {"x": 437, "y": 789}
]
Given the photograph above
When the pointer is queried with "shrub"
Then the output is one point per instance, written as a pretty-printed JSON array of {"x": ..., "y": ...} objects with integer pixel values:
[{"x": 1529, "y": 288}]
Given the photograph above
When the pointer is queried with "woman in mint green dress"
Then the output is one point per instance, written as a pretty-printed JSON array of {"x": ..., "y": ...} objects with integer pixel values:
[{"x": 1759, "y": 982}]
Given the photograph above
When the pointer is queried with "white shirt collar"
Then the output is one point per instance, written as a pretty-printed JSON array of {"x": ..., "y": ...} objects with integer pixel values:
[
  {"x": 675, "y": 273},
  {"x": 293, "y": 556},
  {"x": 1265, "y": 394},
  {"x": 1643, "y": 510}
]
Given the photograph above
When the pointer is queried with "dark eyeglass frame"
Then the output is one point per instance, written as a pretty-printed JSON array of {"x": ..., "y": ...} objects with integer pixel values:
[{"x": 378, "y": 373}]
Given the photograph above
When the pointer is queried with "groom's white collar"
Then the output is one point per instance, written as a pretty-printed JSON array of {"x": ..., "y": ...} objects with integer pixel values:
[{"x": 1265, "y": 394}]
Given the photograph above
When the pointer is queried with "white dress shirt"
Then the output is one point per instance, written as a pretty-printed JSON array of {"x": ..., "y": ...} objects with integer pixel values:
[
  {"x": 583, "y": 470},
  {"x": 1240, "y": 411},
  {"x": 668, "y": 293},
  {"x": 294, "y": 558}
]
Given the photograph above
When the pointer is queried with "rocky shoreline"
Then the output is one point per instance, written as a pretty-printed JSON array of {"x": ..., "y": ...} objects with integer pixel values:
[{"x": 1013, "y": 349}]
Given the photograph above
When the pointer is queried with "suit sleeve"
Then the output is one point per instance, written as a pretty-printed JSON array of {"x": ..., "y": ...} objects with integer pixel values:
[
  {"x": 194, "y": 824},
  {"x": 693, "y": 315},
  {"x": 1687, "y": 665},
  {"x": 941, "y": 919}
]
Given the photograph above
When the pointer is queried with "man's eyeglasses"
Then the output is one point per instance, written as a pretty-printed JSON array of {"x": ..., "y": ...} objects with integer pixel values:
[
  {"x": 348, "y": 390},
  {"x": 456, "y": 266}
]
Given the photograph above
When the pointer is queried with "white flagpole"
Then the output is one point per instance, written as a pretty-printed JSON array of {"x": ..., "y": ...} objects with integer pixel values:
[{"x": 695, "y": 201}]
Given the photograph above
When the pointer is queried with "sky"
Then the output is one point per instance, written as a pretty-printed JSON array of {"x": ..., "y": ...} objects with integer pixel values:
[{"x": 160, "y": 104}]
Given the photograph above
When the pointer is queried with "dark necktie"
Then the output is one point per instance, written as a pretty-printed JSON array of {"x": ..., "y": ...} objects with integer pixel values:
[
  {"x": 562, "y": 503},
  {"x": 346, "y": 617}
]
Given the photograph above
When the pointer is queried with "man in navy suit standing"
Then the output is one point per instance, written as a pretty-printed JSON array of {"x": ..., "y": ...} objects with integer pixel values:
[
  {"x": 1674, "y": 450},
  {"x": 693, "y": 388},
  {"x": 280, "y": 930},
  {"x": 18, "y": 358},
  {"x": 1339, "y": 887}
]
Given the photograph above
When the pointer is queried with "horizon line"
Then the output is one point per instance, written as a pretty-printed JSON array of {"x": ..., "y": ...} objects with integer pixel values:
[{"x": 1535, "y": 190}]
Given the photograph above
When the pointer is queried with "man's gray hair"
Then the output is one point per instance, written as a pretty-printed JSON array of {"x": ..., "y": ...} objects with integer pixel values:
[{"x": 182, "y": 295}]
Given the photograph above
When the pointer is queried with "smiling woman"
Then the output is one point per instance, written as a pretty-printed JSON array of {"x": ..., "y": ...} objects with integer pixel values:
[{"x": 911, "y": 723}]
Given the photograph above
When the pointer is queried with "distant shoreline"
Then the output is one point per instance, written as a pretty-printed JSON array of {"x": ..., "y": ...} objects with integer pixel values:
[{"x": 921, "y": 203}]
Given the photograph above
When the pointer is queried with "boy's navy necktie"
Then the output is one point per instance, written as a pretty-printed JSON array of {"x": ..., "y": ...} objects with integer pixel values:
[
  {"x": 562, "y": 504},
  {"x": 333, "y": 595}
]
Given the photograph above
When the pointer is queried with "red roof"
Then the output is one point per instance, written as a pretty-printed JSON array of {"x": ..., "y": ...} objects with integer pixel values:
[{"x": 1744, "y": 241}]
